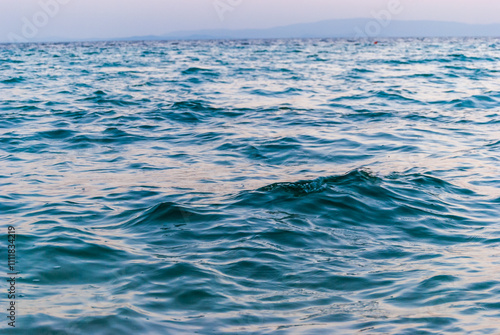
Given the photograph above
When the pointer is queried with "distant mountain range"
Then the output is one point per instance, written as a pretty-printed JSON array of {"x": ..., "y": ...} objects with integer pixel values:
[{"x": 346, "y": 28}]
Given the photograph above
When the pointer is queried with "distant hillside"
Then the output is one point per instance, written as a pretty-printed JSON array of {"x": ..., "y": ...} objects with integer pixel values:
[{"x": 348, "y": 28}]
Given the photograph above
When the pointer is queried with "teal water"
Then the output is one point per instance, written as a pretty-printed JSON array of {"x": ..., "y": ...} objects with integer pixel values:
[{"x": 253, "y": 187}]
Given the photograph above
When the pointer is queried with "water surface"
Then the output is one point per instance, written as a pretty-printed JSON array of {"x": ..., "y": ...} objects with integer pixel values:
[{"x": 253, "y": 187}]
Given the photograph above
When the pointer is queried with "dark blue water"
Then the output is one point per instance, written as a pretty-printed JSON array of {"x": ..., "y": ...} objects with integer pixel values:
[{"x": 253, "y": 187}]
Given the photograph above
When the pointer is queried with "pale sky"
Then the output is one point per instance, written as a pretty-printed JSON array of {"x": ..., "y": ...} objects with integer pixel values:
[{"x": 121, "y": 18}]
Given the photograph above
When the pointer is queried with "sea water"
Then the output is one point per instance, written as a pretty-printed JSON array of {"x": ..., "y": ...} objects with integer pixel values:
[{"x": 252, "y": 187}]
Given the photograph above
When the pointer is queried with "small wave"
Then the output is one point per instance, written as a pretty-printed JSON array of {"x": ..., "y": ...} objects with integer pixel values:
[
  {"x": 193, "y": 105},
  {"x": 110, "y": 135},
  {"x": 363, "y": 198},
  {"x": 287, "y": 91},
  {"x": 15, "y": 80},
  {"x": 304, "y": 187},
  {"x": 200, "y": 71},
  {"x": 494, "y": 144},
  {"x": 165, "y": 215},
  {"x": 57, "y": 134}
]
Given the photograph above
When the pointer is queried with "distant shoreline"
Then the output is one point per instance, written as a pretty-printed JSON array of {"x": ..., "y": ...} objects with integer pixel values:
[{"x": 329, "y": 29}]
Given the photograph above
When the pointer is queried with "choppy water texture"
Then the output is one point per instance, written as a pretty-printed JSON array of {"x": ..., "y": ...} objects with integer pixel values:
[{"x": 253, "y": 187}]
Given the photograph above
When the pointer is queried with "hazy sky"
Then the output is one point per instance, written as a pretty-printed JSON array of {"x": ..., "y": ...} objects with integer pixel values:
[{"x": 120, "y": 18}]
